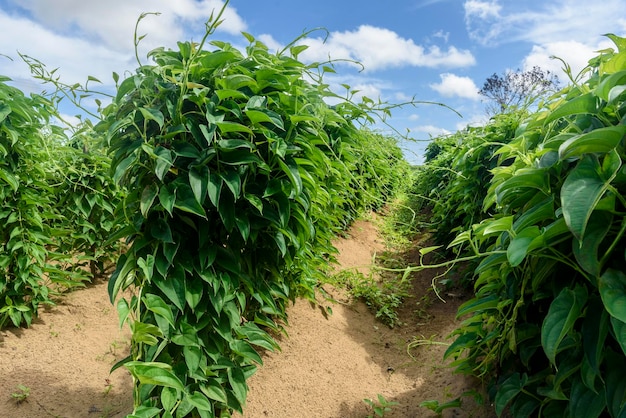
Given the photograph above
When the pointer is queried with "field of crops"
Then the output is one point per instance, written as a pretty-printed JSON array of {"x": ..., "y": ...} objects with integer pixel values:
[{"x": 212, "y": 186}]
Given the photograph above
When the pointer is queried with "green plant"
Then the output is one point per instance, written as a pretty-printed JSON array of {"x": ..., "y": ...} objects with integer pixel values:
[
  {"x": 25, "y": 206},
  {"x": 21, "y": 395},
  {"x": 383, "y": 295},
  {"x": 238, "y": 175},
  {"x": 380, "y": 407},
  {"x": 546, "y": 327}
]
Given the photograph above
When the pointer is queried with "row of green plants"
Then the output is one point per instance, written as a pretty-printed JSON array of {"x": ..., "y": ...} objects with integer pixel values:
[
  {"x": 56, "y": 202},
  {"x": 239, "y": 176},
  {"x": 546, "y": 328}
]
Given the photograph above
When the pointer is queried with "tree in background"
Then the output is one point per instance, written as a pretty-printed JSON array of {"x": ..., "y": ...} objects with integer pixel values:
[{"x": 517, "y": 88}]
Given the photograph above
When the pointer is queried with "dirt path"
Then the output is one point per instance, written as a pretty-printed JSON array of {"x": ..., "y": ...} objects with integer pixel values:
[{"x": 327, "y": 365}]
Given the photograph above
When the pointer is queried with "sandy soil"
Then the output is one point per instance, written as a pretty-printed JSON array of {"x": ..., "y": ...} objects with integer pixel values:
[{"x": 327, "y": 365}]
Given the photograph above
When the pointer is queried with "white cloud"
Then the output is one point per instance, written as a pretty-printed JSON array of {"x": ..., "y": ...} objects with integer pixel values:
[
  {"x": 490, "y": 22},
  {"x": 431, "y": 130},
  {"x": 454, "y": 86},
  {"x": 112, "y": 22},
  {"x": 75, "y": 58},
  {"x": 96, "y": 38},
  {"x": 575, "y": 54},
  {"x": 481, "y": 9},
  {"x": 380, "y": 48}
]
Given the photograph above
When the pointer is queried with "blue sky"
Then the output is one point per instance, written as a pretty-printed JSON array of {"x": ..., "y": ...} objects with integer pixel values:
[{"x": 433, "y": 50}]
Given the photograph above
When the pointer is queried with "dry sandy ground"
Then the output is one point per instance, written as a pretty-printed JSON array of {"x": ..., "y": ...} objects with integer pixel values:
[{"x": 327, "y": 365}]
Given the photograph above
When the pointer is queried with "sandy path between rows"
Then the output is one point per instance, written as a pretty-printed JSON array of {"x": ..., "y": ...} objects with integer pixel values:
[{"x": 327, "y": 365}]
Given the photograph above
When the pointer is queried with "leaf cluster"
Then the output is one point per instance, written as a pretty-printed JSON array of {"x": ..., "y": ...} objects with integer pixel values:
[
  {"x": 238, "y": 176},
  {"x": 546, "y": 327}
]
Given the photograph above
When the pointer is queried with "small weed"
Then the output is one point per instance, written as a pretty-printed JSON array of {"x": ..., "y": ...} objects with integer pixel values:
[
  {"x": 21, "y": 395},
  {"x": 438, "y": 407},
  {"x": 108, "y": 386},
  {"x": 380, "y": 407},
  {"x": 384, "y": 297}
]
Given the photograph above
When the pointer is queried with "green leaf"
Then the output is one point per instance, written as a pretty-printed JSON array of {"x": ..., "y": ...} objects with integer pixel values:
[
  {"x": 174, "y": 287},
  {"x": 164, "y": 161},
  {"x": 193, "y": 357},
  {"x": 290, "y": 168},
  {"x": 600, "y": 141},
  {"x": 153, "y": 114},
  {"x": 160, "y": 230},
  {"x": 154, "y": 373},
  {"x": 186, "y": 201},
  {"x": 581, "y": 191},
  {"x": 564, "y": 310},
  {"x": 619, "y": 328},
  {"x": 245, "y": 350},
  {"x": 231, "y": 144},
  {"x": 265, "y": 115},
  {"x": 145, "y": 412},
  {"x": 198, "y": 180},
  {"x": 524, "y": 178},
  {"x": 214, "y": 188},
  {"x": 122, "y": 276},
  {"x": 157, "y": 305},
  {"x": 213, "y": 390},
  {"x": 581, "y": 104},
  {"x": 200, "y": 402},
  {"x": 233, "y": 182},
  {"x": 167, "y": 197},
  {"x": 608, "y": 83},
  {"x": 10, "y": 179},
  {"x": 612, "y": 287},
  {"x": 586, "y": 250},
  {"x": 193, "y": 292},
  {"x": 226, "y": 127},
  {"x": 168, "y": 398},
  {"x": 509, "y": 389},
  {"x": 594, "y": 331},
  {"x": 584, "y": 402},
  {"x": 237, "y": 381},
  {"x": 523, "y": 243}
]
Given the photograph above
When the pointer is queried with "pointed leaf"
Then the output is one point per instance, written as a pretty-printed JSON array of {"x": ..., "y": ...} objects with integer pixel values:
[
  {"x": 580, "y": 193},
  {"x": 600, "y": 140},
  {"x": 612, "y": 286},
  {"x": 564, "y": 310}
]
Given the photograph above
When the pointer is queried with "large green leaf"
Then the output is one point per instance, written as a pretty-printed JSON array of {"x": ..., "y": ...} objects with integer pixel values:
[
  {"x": 586, "y": 250},
  {"x": 600, "y": 140},
  {"x": 153, "y": 373},
  {"x": 174, "y": 286},
  {"x": 612, "y": 286},
  {"x": 586, "y": 103},
  {"x": 186, "y": 201},
  {"x": 584, "y": 402},
  {"x": 509, "y": 389},
  {"x": 157, "y": 305},
  {"x": 198, "y": 180},
  {"x": 581, "y": 191},
  {"x": 564, "y": 310},
  {"x": 523, "y": 243}
]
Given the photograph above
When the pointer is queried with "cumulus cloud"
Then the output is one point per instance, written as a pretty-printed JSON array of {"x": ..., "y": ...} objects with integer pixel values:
[
  {"x": 96, "y": 38},
  {"x": 452, "y": 85},
  {"x": 112, "y": 22},
  {"x": 379, "y": 48},
  {"x": 75, "y": 58},
  {"x": 575, "y": 54},
  {"x": 490, "y": 22}
]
